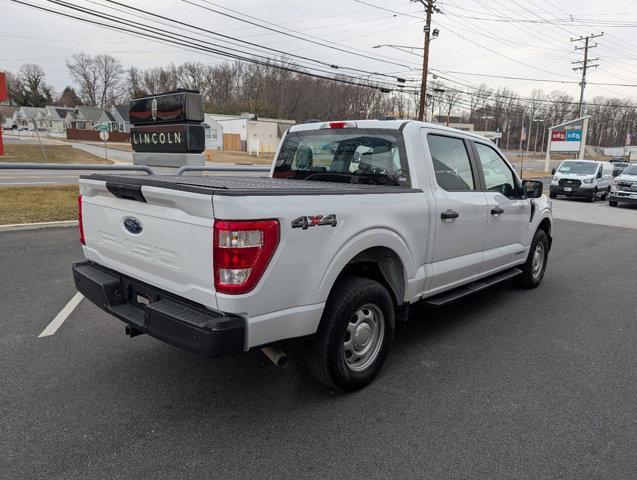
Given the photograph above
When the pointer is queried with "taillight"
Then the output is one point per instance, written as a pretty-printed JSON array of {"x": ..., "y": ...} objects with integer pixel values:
[
  {"x": 79, "y": 219},
  {"x": 242, "y": 250}
]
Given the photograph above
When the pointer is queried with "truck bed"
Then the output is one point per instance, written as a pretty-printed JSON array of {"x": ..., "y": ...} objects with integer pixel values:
[{"x": 246, "y": 186}]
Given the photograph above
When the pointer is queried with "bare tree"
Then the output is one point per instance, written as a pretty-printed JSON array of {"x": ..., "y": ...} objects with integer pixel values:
[
  {"x": 98, "y": 77},
  {"x": 478, "y": 97},
  {"x": 82, "y": 68},
  {"x": 109, "y": 73}
]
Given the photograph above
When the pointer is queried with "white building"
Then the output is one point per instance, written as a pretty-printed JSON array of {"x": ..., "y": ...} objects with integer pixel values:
[
  {"x": 214, "y": 133},
  {"x": 262, "y": 134}
]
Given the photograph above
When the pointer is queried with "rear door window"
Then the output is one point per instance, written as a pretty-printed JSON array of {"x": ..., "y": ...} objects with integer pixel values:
[{"x": 451, "y": 163}]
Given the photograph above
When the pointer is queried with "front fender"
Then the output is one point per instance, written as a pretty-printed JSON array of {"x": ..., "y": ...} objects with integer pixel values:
[{"x": 543, "y": 211}]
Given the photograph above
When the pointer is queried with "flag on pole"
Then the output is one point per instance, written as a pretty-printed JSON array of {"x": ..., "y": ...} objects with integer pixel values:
[
  {"x": 523, "y": 134},
  {"x": 629, "y": 138}
]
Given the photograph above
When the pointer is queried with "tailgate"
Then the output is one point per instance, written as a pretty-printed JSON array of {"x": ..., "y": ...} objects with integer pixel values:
[{"x": 172, "y": 249}]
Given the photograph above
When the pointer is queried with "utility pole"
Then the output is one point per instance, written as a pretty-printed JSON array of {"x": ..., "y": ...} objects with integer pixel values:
[
  {"x": 522, "y": 138},
  {"x": 584, "y": 65},
  {"x": 430, "y": 8}
]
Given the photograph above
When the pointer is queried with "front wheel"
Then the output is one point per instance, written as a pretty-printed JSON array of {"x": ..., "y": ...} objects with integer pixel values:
[
  {"x": 612, "y": 203},
  {"x": 553, "y": 195},
  {"x": 354, "y": 335},
  {"x": 535, "y": 265}
]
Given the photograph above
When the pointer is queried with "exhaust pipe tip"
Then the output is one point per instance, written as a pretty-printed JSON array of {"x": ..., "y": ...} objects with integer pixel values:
[
  {"x": 276, "y": 356},
  {"x": 131, "y": 332}
]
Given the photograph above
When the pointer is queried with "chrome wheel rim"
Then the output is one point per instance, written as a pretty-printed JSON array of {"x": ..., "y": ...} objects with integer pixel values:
[
  {"x": 538, "y": 260},
  {"x": 364, "y": 337}
]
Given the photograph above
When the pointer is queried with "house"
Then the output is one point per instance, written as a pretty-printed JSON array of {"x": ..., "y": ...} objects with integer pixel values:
[
  {"x": 53, "y": 118},
  {"x": 83, "y": 118},
  {"x": 255, "y": 134},
  {"x": 28, "y": 118},
  {"x": 214, "y": 133},
  {"x": 116, "y": 118},
  {"x": 107, "y": 119},
  {"x": 120, "y": 114},
  {"x": 6, "y": 116}
]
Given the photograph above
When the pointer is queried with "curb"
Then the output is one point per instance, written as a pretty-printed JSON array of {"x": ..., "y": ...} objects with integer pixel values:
[{"x": 36, "y": 226}]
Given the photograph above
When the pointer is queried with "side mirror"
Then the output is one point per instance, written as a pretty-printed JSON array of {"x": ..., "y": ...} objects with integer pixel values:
[
  {"x": 553, "y": 172},
  {"x": 532, "y": 188},
  {"x": 599, "y": 174}
]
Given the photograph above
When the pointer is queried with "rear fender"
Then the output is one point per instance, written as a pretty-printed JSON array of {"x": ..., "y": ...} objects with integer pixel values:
[{"x": 375, "y": 237}]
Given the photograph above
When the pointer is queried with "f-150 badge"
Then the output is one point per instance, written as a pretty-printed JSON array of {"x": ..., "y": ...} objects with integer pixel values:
[{"x": 314, "y": 221}]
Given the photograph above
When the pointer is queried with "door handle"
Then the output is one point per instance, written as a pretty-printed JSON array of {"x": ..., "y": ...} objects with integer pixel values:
[
  {"x": 449, "y": 214},
  {"x": 497, "y": 211}
]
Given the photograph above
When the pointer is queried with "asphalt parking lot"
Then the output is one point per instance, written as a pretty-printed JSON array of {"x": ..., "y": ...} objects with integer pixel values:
[{"x": 505, "y": 384}]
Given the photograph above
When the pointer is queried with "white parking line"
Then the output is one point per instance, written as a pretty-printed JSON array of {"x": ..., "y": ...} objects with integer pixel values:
[{"x": 57, "y": 322}]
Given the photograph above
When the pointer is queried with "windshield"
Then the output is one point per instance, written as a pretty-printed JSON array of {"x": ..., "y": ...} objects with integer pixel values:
[
  {"x": 580, "y": 168},
  {"x": 355, "y": 155},
  {"x": 630, "y": 170}
]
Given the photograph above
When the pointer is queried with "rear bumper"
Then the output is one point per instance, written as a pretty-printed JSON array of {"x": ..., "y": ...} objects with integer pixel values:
[{"x": 172, "y": 319}]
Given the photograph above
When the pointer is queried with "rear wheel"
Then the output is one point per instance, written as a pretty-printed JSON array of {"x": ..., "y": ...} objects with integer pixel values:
[
  {"x": 535, "y": 265},
  {"x": 354, "y": 336}
]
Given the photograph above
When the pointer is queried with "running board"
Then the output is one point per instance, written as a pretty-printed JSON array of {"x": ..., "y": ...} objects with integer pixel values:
[{"x": 453, "y": 295}]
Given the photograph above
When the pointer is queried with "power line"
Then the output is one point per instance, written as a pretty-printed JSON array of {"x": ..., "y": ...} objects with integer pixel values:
[
  {"x": 235, "y": 38},
  {"x": 172, "y": 36},
  {"x": 333, "y": 47},
  {"x": 199, "y": 48}
]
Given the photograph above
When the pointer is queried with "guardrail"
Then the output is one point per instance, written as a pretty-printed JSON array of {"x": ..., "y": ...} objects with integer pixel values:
[
  {"x": 222, "y": 168},
  {"x": 76, "y": 166},
  {"x": 130, "y": 168}
]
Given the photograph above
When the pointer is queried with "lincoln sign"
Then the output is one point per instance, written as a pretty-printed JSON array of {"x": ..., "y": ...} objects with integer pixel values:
[
  {"x": 168, "y": 123},
  {"x": 178, "y": 138}
]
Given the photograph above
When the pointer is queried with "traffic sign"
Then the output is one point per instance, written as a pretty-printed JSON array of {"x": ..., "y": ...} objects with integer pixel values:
[
  {"x": 103, "y": 127},
  {"x": 104, "y": 135}
]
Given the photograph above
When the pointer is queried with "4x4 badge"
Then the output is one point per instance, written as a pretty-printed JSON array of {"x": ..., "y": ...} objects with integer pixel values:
[{"x": 314, "y": 221}]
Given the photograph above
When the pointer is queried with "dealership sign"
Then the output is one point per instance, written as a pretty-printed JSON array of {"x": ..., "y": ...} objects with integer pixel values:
[{"x": 567, "y": 138}]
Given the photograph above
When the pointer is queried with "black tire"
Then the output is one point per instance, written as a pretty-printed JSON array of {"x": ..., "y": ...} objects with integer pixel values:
[
  {"x": 612, "y": 203},
  {"x": 552, "y": 195},
  {"x": 530, "y": 278},
  {"x": 606, "y": 194},
  {"x": 326, "y": 351}
]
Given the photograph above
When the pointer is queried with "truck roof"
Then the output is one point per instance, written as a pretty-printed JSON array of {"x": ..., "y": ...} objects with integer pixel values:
[{"x": 386, "y": 124}]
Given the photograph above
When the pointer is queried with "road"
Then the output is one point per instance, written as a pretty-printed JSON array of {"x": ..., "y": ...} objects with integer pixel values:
[{"x": 506, "y": 384}]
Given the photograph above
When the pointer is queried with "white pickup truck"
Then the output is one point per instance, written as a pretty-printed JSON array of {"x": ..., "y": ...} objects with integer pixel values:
[{"x": 356, "y": 221}]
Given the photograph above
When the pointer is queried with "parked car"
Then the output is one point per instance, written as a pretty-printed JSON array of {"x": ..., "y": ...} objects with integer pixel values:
[
  {"x": 624, "y": 187},
  {"x": 333, "y": 246},
  {"x": 582, "y": 178},
  {"x": 619, "y": 167}
]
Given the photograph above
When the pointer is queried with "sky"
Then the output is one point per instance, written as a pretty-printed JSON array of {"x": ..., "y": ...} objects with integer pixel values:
[{"x": 514, "y": 38}]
